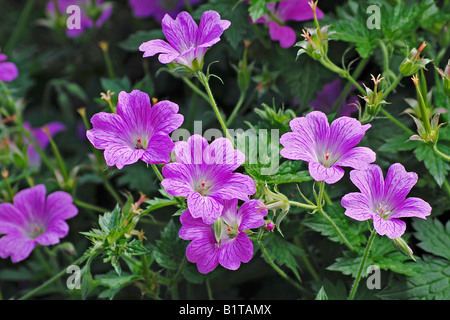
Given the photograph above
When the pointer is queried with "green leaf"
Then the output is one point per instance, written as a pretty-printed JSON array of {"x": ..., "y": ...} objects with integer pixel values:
[
  {"x": 436, "y": 165},
  {"x": 383, "y": 254},
  {"x": 321, "y": 295},
  {"x": 433, "y": 236},
  {"x": 114, "y": 283},
  {"x": 351, "y": 229},
  {"x": 169, "y": 250},
  {"x": 432, "y": 282},
  {"x": 284, "y": 253},
  {"x": 399, "y": 143}
]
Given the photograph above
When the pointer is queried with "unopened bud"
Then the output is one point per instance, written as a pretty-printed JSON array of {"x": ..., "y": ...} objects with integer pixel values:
[
  {"x": 403, "y": 247},
  {"x": 413, "y": 61}
]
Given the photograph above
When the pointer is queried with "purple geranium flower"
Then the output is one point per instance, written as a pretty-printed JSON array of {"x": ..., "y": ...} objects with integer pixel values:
[
  {"x": 203, "y": 174},
  {"x": 137, "y": 131},
  {"x": 158, "y": 8},
  {"x": 34, "y": 219},
  {"x": 225, "y": 242},
  {"x": 384, "y": 201},
  {"x": 328, "y": 97},
  {"x": 8, "y": 70},
  {"x": 187, "y": 42},
  {"x": 89, "y": 9},
  {"x": 280, "y": 13},
  {"x": 42, "y": 139},
  {"x": 326, "y": 147}
]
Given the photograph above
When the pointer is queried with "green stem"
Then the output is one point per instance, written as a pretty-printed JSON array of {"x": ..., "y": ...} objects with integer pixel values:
[
  {"x": 361, "y": 266},
  {"x": 89, "y": 206},
  {"x": 208, "y": 289},
  {"x": 396, "y": 122},
  {"x": 157, "y": 172},
  {"x": 440, "y": 153},
  {"x": 275, "y": 267},
  {"x": 51, "y": 280},
  {"x": 196, "y": 89},
  {"x": 303, "y": 205},
  {"x": 348, "y": 86},
  {"x": 59, "y": 159},
  {"x": 111, "y": 190},
  {"x": 338, "y": 230},
  {"x": 392, "y": 86},
  {"x": 236, "y": 109},
  {"x": 204, "y": 80},
  {"x": 20, "y": 26}
]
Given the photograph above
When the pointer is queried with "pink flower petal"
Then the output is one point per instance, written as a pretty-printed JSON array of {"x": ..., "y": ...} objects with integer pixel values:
[
  {"x": 320, "y": 173},
  {"x": 393, "y": 228},
  {"x": 204, "y": 207},
  {"x": 357, "y": 206},
  {"x": 284, "y": 34}
]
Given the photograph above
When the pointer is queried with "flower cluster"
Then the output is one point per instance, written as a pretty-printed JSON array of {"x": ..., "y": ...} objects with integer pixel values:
[{"x": 327, "y": 148}]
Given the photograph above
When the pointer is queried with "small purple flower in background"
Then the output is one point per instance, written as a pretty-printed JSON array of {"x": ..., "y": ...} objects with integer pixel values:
[
  {"x": 158, "y": 8},
  {"x": 34, "y": 219},
  {"x": 137, "y": 131},
  {"x": 203, "y": 173},
  {"x": 225, "y": 242},
  {"x": 8, "y": 70},
  {"x": 280, "y": 13},
  {"x": 187, "y": 42},
  {"x": 326, "y": 147},
  {"x": 42, "y": 139},
  {"x": 384, "y": 200},
  {"x": 89, "y": 9},
  {"x": 329, "y": 95}
]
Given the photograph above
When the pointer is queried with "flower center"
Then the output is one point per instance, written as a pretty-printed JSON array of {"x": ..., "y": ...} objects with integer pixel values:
[
  {"x": 202, "y": 188},
  {"x": 35, "y": 230},
  {"x": 223, "y": 232},
  {"x": 383, "y": 211},
  {"x": 327, "y": 160},
  {"x": 139, "y": 144}
]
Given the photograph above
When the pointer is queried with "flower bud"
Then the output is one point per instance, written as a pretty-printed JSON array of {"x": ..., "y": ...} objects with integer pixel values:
[
  {"x": 413, "y": 62},
  {"x": 374, "y": 98},
  {"x": 403, "y": 247},
  {"x": 445, "y": 78}
]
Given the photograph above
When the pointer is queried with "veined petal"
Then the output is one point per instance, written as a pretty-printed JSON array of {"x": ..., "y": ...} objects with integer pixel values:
[
  {"x": 321, "y": 173},
  {"x": 345, "y": 133},
  {"x": 251, "y": 215},
  {"x": 222, "y": 153},
  {"x": 210, "y": 29},
  {"x": 166, "y": 51},
  {"x": 412, "y": 207},
  {"x": 398, "y": 183},
  {"x": 193, "y": 228},
  {"x": 357, "y": 206},
  {"x": 357, "y": 158},
  {"x": 204, "y": 253},
  {"x": 393, "y": 228},
  {"x": 165, "y": 117},
  {"x": 181, "y": 32},
  {"x": 370, "y": 182},
  {"x": 319, "y": 129},
  {"x": 240, "y": 249},
  {"x": 177, "y": 180},
  {"x": 120, "y": 155},
  {"x": 190, "y": 151},
  {"x": 204, "y": 207},
  {"x": 233, "y": 185},
  {"x": 108, "y": 128},
  {"x": 297, "y": 146},
  {"x": 158, "y": 149}
]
